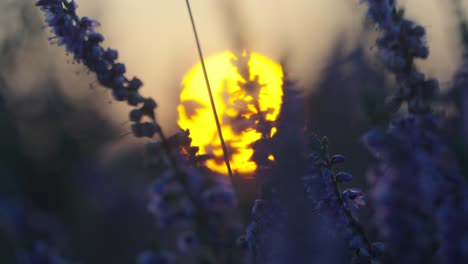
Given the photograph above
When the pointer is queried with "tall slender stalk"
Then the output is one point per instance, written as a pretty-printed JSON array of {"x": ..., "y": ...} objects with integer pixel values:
[{"x": 210, "y": 93}]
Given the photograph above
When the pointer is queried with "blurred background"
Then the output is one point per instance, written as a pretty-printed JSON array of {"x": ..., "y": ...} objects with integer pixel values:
[{"x": 67, "y": 163}]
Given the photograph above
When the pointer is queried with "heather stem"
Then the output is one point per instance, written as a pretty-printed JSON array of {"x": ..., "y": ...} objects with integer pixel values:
[
  {"x": 213, "y": 106},
  {"x": 357, "y": 226}
]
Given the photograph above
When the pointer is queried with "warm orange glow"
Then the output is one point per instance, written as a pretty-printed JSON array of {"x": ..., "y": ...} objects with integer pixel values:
[{"x": 235, "y": 101}]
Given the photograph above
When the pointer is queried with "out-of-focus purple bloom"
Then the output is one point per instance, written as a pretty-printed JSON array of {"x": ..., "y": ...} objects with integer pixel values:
[
  {"x": 403, "y": 136},
  {"x": 417, "y": 177},
  {"x": 265, "y": 236},
  {"x": 192, "y": 201},
  {"x": 402, "y": 41},
  {"x": 415, "y": 189},
  {"x": 262, "y": 211},
  {"x": 249, "y": 241},
  {"x": 401, "y": 213},
  {"x": 170, "y": 205},
  {"x": 453, "y": 231},
  {"x": 268, "y": 238},
  {"x": 219, "y": 198}
]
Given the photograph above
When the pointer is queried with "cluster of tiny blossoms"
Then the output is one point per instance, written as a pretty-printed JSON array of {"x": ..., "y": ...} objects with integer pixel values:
[
  {"x": 402, "y": 188},
  {"x": 196, "y": 204},
  {"x": 335, "y": 206},
  {"x": 80, "y": 39},
  {"x": 420, "y": 197},
  {"x": 402, "y": 41}
]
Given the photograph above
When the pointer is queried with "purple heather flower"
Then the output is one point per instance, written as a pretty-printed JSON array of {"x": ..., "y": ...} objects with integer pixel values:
[
  {"x": 413, "y": 192},
  {"x": 265, "y": 237},
  {"x": 219, "y": 198},
  {"x": 453, "y": 231},
  {"x": 169, "y": 204},
  {"x": 262, "y": 211},
  {"x": 190, "y": 199},
  {"x": 250, "y": 240},
  {"x": 354, "y": 198},
  {"x": 335, "y": 207},
  {"x": 343, "y": 177},
  {"x": 401, "y": 216},
  {"x": 401, "y": 42},
  {"x": 414, "y": 188},
  {"x": 80, "y": 38}
]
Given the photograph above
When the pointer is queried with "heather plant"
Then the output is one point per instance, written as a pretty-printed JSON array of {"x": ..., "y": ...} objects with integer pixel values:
[
  {"x": 80, "y": 38},
  {"x": 335, "y": 206},
  {"x": 305, "y": 210},
  {"x": 417, "y": 189},
  {"x": 266, "y": 237},
  {"x": 196, "y": 205},
  {"x": 179, "y": 197}
]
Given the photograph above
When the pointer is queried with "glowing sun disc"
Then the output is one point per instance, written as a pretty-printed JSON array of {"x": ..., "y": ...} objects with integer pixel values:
[{"x": 235, "y": 106}]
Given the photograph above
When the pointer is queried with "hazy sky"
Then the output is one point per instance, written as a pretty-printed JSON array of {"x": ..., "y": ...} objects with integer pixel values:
[{"x": 155, "y": 40}]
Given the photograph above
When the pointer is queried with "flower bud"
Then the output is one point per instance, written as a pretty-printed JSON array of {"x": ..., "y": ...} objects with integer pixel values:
[
  {"x": 344, "y": 177},
  {"x": 337, "y": 159}
]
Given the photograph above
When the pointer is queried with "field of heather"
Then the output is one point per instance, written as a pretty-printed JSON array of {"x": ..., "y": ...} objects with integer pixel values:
[{"x": 234, "y": 132}]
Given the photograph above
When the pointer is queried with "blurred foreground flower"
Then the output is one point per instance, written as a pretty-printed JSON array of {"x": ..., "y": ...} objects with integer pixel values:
[
  {"x": 196, "y": 204},
  {"x": 417, "y": 188}
]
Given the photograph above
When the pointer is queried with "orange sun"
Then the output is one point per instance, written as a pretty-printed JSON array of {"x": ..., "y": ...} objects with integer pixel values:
[{"x": 245, "y": 88}]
